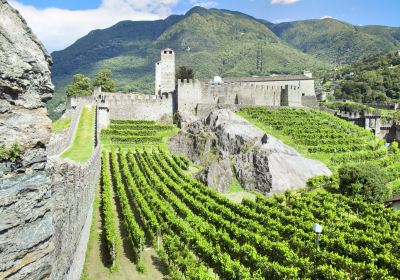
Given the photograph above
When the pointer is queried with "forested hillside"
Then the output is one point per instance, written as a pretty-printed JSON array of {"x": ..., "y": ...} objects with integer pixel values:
[
  {"x": 375, "y": 79},
  {"x": 338, "y": 42}
]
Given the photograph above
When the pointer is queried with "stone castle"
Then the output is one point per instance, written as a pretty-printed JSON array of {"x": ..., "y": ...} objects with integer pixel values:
[{"x": 199, "y": 97}]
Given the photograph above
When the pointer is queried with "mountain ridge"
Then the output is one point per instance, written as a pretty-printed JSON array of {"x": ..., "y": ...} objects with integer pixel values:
[{"x": 212, "y": 42}]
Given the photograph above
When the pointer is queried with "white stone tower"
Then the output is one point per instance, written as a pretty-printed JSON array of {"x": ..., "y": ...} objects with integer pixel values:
[{"x": 165, "y": 72}]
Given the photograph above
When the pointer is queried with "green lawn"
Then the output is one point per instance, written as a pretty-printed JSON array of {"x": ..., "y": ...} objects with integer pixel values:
[
  {"x": 61, "y": 124},
  {"x": 82, "y": 146}
]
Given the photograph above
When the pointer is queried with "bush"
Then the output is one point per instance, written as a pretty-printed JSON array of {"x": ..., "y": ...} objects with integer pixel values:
[
  {"x": 365, "y": 181},
  {"x": 10, "y": 154}
]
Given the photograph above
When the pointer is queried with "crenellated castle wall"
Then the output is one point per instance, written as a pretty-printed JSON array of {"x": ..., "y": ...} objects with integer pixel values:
[
  {"x": 122, "y": 106},
  {"x": 192, "y": 93},
  {"x": 138, "y": 106}
]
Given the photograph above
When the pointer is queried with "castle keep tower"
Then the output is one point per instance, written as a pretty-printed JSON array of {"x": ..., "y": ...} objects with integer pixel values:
[{"x": 165, "y": 72}]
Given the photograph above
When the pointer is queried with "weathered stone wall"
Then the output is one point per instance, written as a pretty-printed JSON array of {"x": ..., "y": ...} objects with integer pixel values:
[
  {"x": 194, "y": 92},
  {"x": 44, "y": 203},
  {"x": 25, "y": 190},
  {"x": 123, "y": 106},
  {"x": 73, "y": 188},
  {"x": 136, "y": 106},
  {"x": 26, "y": 226}
]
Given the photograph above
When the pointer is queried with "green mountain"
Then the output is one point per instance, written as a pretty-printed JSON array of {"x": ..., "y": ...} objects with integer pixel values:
[
  {"x": 338, "y": 42},
  {"x": 212, "y": 42},
  {"x": 216, "y": 42}
]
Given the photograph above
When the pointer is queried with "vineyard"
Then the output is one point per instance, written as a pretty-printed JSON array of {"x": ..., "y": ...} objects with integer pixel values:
[
  {"x": 135, "y": 132},
  {"x": 199, "y": 234},
  {"x": 325, "y": 137}
]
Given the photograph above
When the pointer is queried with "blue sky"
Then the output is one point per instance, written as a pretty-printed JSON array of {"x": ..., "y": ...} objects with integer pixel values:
[
  {"x": 58, "y": 23},
  {"x": 382, "y": 12}
]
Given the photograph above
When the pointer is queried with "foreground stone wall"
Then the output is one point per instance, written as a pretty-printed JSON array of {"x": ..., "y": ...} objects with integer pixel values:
[
  {"x": 44, "y": 203},
  {"x": 26, "y": 226},
  {"x": 73, "y": 188}
]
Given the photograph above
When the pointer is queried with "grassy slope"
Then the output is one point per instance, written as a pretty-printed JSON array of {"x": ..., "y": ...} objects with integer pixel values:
[
  {"x": 82, "y": 146},
  {"x": 61, "y": 124}
]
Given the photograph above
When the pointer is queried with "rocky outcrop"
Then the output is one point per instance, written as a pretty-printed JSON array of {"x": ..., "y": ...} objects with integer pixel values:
[
  {"x": 45, "y": 202},
  {"x": 25, "y": 85},
  {"x": 26, "y": 225},
  {"x": 259, "y": 161}
]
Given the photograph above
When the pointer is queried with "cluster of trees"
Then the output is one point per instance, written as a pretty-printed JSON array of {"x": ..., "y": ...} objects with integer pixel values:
[
  {"x": 372, "y": 80},
  {"x": 83, "y": 85}
]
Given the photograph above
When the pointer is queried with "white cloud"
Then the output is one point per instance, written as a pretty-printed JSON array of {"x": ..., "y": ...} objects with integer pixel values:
[
  {"x": 59, "y": 28},
  {"x": 282, "y": 20},
  {"x": 207, "y": 4},
  {"x": 327, "y": 17},
  {"x": 285, "y": 2}
]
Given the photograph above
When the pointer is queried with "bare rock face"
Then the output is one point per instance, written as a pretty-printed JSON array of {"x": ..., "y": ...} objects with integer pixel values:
[
  {"x": 26, "y": 226},
  {"x": 25, "y": 83},
  {"x": 260, "y": 162}
]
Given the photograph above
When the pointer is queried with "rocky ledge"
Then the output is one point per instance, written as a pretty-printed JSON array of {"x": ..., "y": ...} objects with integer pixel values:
[{"x": 228, "y": 145}]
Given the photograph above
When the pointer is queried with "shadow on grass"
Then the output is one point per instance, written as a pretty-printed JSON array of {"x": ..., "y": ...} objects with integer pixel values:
[{"x": 160, "y": 266}]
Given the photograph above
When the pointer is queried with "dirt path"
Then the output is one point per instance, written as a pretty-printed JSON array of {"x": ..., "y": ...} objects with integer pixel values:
[{"x": 96, "y": 270}]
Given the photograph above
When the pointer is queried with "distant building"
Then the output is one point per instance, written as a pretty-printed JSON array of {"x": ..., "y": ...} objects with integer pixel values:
[
  {"x": 165, "y": 73},
  {"x": 201, "y": 97}
]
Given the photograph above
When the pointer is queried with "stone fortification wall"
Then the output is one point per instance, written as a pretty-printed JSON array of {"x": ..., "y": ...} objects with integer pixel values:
[
  {"x": 138, "y": 106},
  {"x": 306, "y": 87},
  {"x": 73, "y": 188},
  {"x": 75, "y": 101},
  {"x": 194, "y": 92},
  {"x": 61, "y": 141},
  {"x": 121, "y": 106}
]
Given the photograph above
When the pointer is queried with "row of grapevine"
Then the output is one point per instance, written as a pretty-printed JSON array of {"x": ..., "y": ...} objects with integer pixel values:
[
  {"x": 109, "y": 218},
  {"x": 157, "y": 127},
  {"x": 127, "y": 132},
  {"x": 135, "y": 139},
  {"x": 346, "y": 262},
  {"x": 134, "y": 231}
]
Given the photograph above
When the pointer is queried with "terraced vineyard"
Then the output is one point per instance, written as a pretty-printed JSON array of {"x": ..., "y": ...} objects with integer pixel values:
[
  {"x": 141, "y": 132},
  {"x": 325, "y": 137},
  {"x": 199, "y": 234}
]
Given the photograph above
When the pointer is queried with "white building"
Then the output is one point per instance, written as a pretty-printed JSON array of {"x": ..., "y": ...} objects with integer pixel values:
[{"x": 165, "y": 73}]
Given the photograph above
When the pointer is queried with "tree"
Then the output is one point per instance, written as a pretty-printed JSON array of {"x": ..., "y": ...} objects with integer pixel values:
[
  {"x": 366, "y": 181},
  {"x": 184, "y": 72},
  {"x": 80, "y": 86},
  {"x": 105, "y": 81}
]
